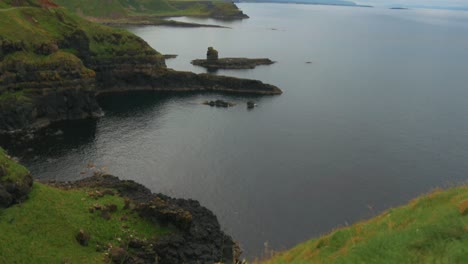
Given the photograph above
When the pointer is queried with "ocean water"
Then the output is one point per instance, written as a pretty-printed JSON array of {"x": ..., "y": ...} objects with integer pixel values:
[{"x": 378, "y": 116}]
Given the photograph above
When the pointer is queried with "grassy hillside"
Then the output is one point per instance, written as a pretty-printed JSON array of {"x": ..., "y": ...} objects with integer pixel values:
[
  {"x": 430, "y": 229},
  {"x": 118, "y": 9},
  {"x": 43, "y": 228},
  {"x": 32, "y": 27}
]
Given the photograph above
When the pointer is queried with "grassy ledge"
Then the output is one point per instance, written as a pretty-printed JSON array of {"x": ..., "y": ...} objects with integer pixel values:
[{"x": 430, "y": 229}]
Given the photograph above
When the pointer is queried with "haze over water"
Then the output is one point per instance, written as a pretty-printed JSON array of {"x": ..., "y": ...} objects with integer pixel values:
[{"x": 379, "y": 116}]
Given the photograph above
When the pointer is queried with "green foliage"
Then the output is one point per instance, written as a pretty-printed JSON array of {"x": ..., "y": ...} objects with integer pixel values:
[
  {"x": 43, "y": 229},
  {"x": 431, "y": 229}
]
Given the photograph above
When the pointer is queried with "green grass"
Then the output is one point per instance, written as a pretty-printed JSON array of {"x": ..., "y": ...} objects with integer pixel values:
[
  {"x": 35, "y": 26},
  {"x": 430, "y": 229},
  {"x": 14, "y": 171},
  {"x": 117, "y": 9},
  {"x": 43, "y": 229}
]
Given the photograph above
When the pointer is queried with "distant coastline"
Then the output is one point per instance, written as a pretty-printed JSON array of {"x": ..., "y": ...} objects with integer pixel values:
[{"x": 306, "y": 2}]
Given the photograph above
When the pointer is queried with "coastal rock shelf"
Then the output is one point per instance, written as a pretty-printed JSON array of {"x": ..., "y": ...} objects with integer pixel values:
[
  {"x": 213, "y": 62},
  {"x": 232, "y": 63}
]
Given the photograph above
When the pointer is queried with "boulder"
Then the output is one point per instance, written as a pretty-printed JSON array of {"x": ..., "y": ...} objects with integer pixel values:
[{"x": 83, "y": 237}]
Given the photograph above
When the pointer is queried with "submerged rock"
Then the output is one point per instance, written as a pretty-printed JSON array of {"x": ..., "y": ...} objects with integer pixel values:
[{"x": 218, "y": 103}]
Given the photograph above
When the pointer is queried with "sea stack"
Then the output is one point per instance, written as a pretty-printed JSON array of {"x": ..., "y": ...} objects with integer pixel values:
[{"x": 212, "y": 54}]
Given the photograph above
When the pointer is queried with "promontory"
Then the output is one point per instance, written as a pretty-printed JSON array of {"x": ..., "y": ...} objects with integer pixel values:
[{"x": 53, "y": 65}]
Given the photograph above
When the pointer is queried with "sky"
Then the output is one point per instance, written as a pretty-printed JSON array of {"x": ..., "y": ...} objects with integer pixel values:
[{"x": 415, "y": 3}]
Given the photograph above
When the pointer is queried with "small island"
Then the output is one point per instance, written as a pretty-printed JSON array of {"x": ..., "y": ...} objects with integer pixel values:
[{"x": 212, "y": 61}]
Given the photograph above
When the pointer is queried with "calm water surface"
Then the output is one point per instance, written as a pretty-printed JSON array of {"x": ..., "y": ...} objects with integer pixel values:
[{"x": 379, "y": 116}]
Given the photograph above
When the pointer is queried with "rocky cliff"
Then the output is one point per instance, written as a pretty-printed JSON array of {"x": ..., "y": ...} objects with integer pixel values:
[
  {"x": 177, "y": 230},
  {"x": 53, "y": 64},
  {"x": 198, "y": 239}
]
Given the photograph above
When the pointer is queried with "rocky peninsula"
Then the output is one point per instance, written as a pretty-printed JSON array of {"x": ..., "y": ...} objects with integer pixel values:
[
  {"x": 53, "y": 65},
  {"x": 212, "y": 61},
  {"x": 103, "y": 219},
  {"x": 142, "y": 12}
]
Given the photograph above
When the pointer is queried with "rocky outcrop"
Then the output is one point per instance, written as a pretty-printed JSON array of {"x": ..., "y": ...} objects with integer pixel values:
[
  {"x": 212, "y": 61},
  {"x": 232, "y": 63},
  {"x": 199, "y": 238},
  {"x": 212, "y": 55},
  {"x": 218, "y": 103},
  {"x": 176, "y": 81},
  {"x": 250, "y": 104}
]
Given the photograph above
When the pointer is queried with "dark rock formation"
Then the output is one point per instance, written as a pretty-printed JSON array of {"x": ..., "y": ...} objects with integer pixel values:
[
  {"x": 232, "y": 63},
  {"x": 170, "y": 56},
  {"x": 212, "y": 61},
  {"x": 250, "y": 104},
  {"x": 175, "y": 81},
  {"x": 199, "y": 238},
  {"x": 218, "y": 103}
]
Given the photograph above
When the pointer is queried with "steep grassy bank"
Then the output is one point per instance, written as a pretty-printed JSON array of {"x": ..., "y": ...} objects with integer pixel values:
[
  {"x": 102, "y": 219},
  {"x": 430, "y": 229}
]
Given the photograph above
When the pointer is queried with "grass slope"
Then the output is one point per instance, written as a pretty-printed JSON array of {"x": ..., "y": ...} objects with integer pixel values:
[
  {"x": 430, "y": 229},
  {"x": 43, "y": 229},
  {"x": 116, "y": 9},
  {"x": 34, "y": 26}
]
